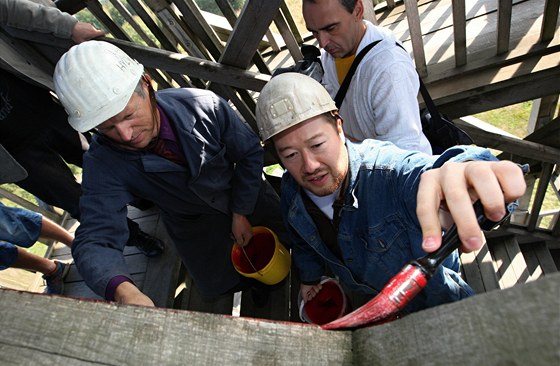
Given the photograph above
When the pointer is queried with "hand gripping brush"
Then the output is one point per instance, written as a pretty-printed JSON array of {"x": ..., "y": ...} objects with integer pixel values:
[{"x": 411, "y": 279}]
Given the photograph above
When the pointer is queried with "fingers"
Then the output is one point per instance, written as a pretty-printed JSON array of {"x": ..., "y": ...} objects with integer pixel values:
[
  {"x": 309, "y": 291},
  {"x": 241, "y": 229},
  {"x": 458, "y": 185}
]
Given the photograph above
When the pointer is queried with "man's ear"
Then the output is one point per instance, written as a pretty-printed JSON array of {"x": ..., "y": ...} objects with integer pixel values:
[
  {"x": 359, "y": 9},
  {"x": 339, "y": 129},
  {"x": 148, "y": 80}
]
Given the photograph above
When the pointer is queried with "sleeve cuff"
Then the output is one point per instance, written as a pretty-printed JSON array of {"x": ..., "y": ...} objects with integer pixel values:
[{"x": 112, "y": 286}]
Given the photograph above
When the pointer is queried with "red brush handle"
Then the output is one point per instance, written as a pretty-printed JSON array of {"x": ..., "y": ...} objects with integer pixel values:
[{"x": 410, "y": 280}]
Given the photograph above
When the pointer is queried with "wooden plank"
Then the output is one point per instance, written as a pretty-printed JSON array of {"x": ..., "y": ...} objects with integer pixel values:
[
  {"x": 252, "y": 24},
  {"x": 173, "y": 23},
  {"x": 503, "y": 26},
  {"x": 471, "y": 272},
  {"x": 29, "y": 205},
  {"x": 459, "y": 32},
  {"x": 486, "y": 268},
  {"x": 123, "y": 11},
  {"x": 542, "y": 112},
  {"x": 533, "y": 265},
  {"x": 277, "y": 306},
  {"x": 18, "y": 279},
  {"x": 193, "y": 20},
  {"x": 506, "y": 261},
  {"x": 85, "y": 332},
  {"x": 545, "y": 258},
  {"x": 544, "y": 181},
  {"x": 512, "y": 85},
  {"x": 549, "y": 20},
  {"x": 287, "y": 36},
  {"x": 195, "y": 67},
  {"x": 517, "y": 260},
  {"x": 189, "y": 298},
  {"x": 291, "y": 22},
  {"x": 161, "y": 272},
  {"x": 512, "y": 145},
  {"x": 413, "y": 19},
  {"x": 97, "y": 10},
  {"x": 231, "y": 17},
  {"x": 160, "y": 34},
  {"x": 514, "y": 326}
]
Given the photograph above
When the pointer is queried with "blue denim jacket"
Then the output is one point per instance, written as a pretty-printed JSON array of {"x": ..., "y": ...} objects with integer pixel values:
[
  {"x": 379, "y": 232},
  {"x": 17, "y": 227}
]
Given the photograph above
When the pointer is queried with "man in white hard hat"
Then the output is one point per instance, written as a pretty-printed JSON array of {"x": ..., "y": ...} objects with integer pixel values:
[
  {"x": 364, "y": 210},
  {"x": 381, "y": 100},
  {"x": 184, "y": 149}
]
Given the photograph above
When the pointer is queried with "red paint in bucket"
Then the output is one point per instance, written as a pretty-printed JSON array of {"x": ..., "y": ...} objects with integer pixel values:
[
  {"x": 329, "y": 304},
  {"x": 259, "y": 250}
]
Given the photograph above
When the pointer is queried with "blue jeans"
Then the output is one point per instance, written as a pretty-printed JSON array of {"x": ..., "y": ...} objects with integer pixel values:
[{"x": 20, "y": 227}]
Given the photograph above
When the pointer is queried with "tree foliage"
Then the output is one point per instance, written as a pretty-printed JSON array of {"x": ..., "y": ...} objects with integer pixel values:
[{"x": 211, "y": 7}]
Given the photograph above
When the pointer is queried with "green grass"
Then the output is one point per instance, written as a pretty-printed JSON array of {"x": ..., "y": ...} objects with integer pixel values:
[{"x": 512, "y": 119}]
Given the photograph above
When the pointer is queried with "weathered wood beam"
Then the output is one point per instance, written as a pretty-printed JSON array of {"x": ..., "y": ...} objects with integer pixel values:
[
  {"x": 97, "y": 10},
  {"x": 544, "y": 181},
  {"x": 489, "y": 323},
  {"x": 229, "y": 14},
  {"x": 254, "y": 20},
  {"x": 193, "y": 20},
  {"x": 549, "y": 20},
  {"x": 518, "y": 324},
  {"x": 459, "y": 32},
  {"x": 369, "y": 11},
  {"x": 473, "y": 95},
  {"x": 518, "y": 147},
  {"x": 542, "y": 112},
  {"x": 29, "y": 205},
  {"x": 504, "y": 26},
  {"x": 123, "y": 11},
  {"x": 94, "y": 332},
  {"x": 164, "y": 39},
  {"x": 291, "y": 22},
  {"x": 413, "y": 19},
  {"x": 195, "y": 67},
  {"x": 287, "y": 36}
]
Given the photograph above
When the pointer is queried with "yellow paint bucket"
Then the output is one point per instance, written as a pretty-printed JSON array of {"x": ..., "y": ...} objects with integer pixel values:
[{"x": 264, "y": 258}]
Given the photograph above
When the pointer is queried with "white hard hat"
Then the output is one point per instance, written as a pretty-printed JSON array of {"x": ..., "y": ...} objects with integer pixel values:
[
  {"x": 288, "y": 99},
  {"x": 94, "y": 81}
]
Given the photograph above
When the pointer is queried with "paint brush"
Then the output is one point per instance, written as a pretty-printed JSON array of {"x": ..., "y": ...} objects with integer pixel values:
[{"x": 411, "y": 279}]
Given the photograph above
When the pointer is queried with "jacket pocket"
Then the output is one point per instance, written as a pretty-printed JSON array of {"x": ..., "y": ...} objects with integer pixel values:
[{"x": 383, "y": 236}]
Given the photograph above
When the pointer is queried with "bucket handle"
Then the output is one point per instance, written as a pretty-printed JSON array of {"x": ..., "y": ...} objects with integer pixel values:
[{"x": 249, "y": 260}]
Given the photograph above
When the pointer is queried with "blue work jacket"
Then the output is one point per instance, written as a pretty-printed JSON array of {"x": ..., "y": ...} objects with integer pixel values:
[
  {"x": 379, "y": 232},
  {"x": 224, "y": 161}
]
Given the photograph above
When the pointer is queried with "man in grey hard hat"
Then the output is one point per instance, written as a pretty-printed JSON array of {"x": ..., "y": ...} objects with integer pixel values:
[
  {"x": 364, "y": 210},
  {"x": 184, "y": 149}
]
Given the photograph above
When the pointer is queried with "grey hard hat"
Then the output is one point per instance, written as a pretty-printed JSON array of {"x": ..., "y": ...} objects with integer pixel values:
[{"x": 288, "y": 99}]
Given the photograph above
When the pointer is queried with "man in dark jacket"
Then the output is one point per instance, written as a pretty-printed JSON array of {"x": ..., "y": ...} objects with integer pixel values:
[{"x": 185, "y": 149}]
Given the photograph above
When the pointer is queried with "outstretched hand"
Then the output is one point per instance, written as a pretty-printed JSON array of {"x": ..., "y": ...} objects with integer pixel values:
[{"x": 454, "y": 187}]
